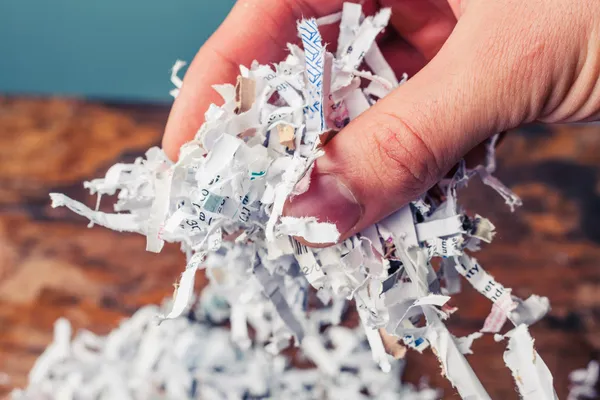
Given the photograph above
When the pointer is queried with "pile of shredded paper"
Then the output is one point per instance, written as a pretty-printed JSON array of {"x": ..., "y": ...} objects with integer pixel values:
[
  {"x": 194, "y": 357},
  {"x": 223, "y": 202}
]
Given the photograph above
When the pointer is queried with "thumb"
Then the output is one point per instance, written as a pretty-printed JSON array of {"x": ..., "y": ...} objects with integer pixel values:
[{"x": 405, "y": 143}]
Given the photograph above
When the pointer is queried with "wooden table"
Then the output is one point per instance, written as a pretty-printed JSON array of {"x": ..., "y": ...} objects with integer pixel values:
[{"x": 52, "y": 265}]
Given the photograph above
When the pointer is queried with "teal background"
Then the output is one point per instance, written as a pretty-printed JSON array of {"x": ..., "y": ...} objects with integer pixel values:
[{"x": 108, "y": 49}]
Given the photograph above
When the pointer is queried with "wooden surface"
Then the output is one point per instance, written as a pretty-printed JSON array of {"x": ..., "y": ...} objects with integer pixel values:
[{"x": 52, "y": 265}]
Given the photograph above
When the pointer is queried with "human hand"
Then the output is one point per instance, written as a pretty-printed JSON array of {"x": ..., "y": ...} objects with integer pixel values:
[{"x": 504, "y": 63}]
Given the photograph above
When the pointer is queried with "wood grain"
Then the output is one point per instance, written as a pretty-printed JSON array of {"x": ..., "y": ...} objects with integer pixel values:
[{"x": 52, "y": 265}]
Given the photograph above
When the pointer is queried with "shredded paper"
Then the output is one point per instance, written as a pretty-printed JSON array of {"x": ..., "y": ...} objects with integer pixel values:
[
  {"x": 196, "y": 357},
  {"x": 584, "y": 382},
  {"x": 223, "y": 201}
]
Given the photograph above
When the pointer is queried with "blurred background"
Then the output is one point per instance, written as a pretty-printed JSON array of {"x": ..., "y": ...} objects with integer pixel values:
[
  {"x": 85, "y": 84},
  {"x": 115, "y": 50}
]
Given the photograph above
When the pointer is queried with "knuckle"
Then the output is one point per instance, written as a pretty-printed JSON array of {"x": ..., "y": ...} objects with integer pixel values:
[{"x": 402, "y": 154}]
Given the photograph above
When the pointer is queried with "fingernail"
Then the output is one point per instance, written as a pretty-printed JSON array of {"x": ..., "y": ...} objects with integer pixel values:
[{"x": 329, "y": 200}]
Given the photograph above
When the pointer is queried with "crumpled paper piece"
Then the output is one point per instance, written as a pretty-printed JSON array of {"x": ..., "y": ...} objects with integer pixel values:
[{"x": 222, "y": 201}]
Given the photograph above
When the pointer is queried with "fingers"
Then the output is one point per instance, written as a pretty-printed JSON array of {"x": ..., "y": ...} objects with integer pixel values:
[
  {"x": 457, "y": 7},
  {"x": 238, "y": 41},
  {"x": 425, "y": 24},
  {"x": 402, "y": 57},
  {"x": 404, "y": 144}
]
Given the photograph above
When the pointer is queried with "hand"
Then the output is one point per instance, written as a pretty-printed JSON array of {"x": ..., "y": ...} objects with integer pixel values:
[{"x": 504, "y": 63}]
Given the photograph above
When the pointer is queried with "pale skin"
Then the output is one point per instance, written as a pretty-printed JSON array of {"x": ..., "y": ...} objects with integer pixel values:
[{"x": 477, "y": 67}]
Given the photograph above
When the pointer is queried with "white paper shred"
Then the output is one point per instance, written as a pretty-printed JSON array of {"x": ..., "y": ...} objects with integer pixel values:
[
  {"x": 314, "y": 58},
  {"x": 454, "y": 364},
  {"x": 183, "y": 292},
  {"x": 57, "y": 352},
  {"x": 584, "y": 382},
  {"x": 464, "y": 343},
  {"x": 223, "y": 202},
  {"x": 309, "y": 229},
  {"x": 532, "y": 376},
  {"x": 175, "y": 79}
]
